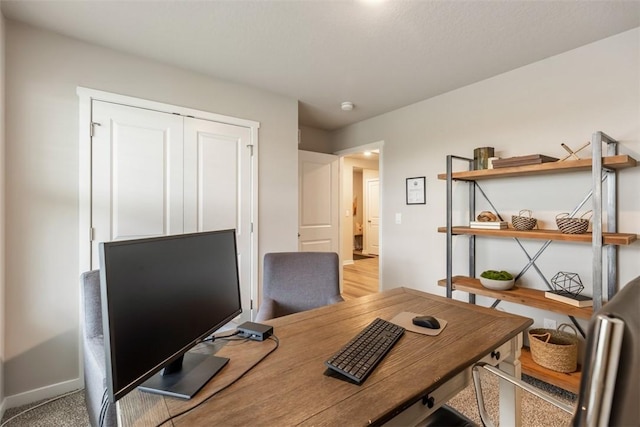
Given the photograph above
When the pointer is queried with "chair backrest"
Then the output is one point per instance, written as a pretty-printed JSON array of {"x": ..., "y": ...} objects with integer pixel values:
[
  {"x": 609, "y": 388},
  {"x": 300, "y": 281},
  {"x": 90, "y": 285}
]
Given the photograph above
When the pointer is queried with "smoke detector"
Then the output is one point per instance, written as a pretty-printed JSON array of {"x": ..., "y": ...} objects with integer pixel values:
[{"x": 346, "y": 106}]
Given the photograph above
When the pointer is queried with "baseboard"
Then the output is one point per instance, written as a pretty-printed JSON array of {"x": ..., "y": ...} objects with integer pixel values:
[
  {"x": 2, "y": 408},
  {"x": 41, "y": 393},
  {"x": 347, "y": 262}
]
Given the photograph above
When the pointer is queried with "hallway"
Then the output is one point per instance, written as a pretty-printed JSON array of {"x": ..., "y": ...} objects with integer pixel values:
[{"x": 360, "y": 278}]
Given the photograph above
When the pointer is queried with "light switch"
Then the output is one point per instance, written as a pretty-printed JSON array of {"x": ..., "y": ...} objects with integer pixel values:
[{"x": 398, "y": 218}]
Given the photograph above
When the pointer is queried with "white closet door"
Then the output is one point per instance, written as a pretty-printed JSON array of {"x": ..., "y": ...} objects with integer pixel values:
[
  {"x": 218, "y": 188},
  {"x": 137, "y": 174}
]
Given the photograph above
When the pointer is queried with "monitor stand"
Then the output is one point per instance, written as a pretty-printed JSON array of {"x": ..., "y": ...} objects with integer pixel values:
[{"x": 197, "y": 370}]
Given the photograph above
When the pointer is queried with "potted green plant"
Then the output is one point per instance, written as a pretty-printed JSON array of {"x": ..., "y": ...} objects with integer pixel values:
[{"x": 497, "y": 280}]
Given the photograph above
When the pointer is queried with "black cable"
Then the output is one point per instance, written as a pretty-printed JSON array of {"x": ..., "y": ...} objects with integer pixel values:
[
  {"x": 212, "y": 338},
  {"x": 272, "y": 337},
  {"x": 103, "y": 408}
]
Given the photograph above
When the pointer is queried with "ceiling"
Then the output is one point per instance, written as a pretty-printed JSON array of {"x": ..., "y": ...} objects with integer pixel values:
[{"x": 380, "y": 55}]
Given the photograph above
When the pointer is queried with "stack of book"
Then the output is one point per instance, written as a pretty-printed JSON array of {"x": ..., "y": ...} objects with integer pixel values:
[
  {"x": 489, "y": 225},
  {"x": 531, "y": 159},
  {"x": 568, "y": 298}
]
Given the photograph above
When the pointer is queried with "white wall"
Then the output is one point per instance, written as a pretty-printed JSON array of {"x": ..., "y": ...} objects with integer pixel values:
[
  {"x": 562, "y": 99},
  {"x": 42, "y": 290},
  {"x": 2, "y": 208},
  {"x": 313, "y": 139}
]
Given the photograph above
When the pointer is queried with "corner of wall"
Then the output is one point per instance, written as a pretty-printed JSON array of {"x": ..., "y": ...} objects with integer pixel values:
[
  {"x": 2, "y": 204},
  {"x": 312, "y": 139}
]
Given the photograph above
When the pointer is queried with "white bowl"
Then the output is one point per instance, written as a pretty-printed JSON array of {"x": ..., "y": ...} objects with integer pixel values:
[{"x": 497, "y": 285}]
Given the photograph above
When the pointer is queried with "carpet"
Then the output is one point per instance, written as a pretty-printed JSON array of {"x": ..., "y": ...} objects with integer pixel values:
[
  {"x": 67, "y": 411},
  {"x": 535, "y": 411}
]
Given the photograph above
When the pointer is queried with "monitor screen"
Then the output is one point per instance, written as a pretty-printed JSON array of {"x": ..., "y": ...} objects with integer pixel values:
[{"x": 160, "y": 297}]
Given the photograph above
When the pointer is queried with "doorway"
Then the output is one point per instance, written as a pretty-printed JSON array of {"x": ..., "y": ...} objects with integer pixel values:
[{"x": 361, "y": 245}]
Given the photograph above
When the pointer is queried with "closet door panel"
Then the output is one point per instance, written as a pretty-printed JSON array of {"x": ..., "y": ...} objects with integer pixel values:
[
  {"x": 217, "y": 201},
  {"x": 137, "y": 174},
  {"x": 218, "y": 192}
]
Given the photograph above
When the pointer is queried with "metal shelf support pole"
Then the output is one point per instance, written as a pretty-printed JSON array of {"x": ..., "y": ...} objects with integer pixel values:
[
  {"x": 596, "y": 242},
  {"x": 449, "y": 289},
  {"x": 449, "y": 227},
  {"x": 600, "y": 293}
]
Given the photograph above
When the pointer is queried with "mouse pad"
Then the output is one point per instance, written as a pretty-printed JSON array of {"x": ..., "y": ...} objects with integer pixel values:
[{"x": 404, "y": 319}]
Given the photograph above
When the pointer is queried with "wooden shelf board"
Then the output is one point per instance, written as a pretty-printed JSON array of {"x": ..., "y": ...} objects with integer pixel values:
[
  {"x": 568, "y": 381},
  {"x": 526, "y": 296},
  {"x": 610, "y": 162},
  {"x": 607, "y": 238}
]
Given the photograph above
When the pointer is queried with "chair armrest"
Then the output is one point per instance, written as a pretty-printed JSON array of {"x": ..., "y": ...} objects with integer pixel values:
[
  {"x": 267, "y": 310},
  {"x": 513, "y": 380}
]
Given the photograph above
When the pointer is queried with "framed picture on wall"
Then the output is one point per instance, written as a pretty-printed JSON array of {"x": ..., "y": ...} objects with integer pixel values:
[{"x": 416, "y": 192}]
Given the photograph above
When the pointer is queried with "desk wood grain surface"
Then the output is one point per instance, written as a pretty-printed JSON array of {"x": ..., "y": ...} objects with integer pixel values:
[{"x": 290, "y": 386}]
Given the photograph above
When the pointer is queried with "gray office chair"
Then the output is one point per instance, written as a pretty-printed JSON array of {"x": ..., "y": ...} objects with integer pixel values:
[
  {"x": 298, "y": 281},
  {"x": 609, "y": 394},
  {"x": 101, "y": 412}
]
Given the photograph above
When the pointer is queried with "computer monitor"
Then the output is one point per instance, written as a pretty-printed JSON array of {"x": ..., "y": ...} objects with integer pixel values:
[{"x": 160, "y": 297}]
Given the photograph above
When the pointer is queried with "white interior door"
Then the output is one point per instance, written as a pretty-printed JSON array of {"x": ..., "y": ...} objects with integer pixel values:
[
  {"x": 137, "y": 174},
  {"x": 216, "y": 196},
  {"x": 155, "y": 174},
  {"x": 318, "y": 187},
  {"x": 372, "y": 216}
]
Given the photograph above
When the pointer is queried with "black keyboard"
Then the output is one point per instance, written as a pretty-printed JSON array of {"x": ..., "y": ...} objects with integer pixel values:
[{"x": 359, "y": 357}]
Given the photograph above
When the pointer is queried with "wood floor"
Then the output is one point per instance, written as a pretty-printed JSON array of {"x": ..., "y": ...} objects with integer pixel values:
[{"x": 360, "y": 278}]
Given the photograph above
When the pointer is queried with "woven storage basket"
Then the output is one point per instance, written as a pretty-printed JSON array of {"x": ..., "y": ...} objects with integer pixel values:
[
  {"x": 521, "y": 222},
  {"x": 569, "y": 225},
  {"x": 555, "y": 349}
]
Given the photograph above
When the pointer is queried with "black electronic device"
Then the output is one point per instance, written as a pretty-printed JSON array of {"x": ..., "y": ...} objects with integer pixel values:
[
  {"x": 426, "y": 322},
  {"x": 160, "y": 297},
  {"x": 255, "y": 331},
  {"x": 360, "y": 356}
]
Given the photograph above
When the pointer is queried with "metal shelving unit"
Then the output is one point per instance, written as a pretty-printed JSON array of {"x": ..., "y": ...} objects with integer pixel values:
[{"x": 603, "y": 165}]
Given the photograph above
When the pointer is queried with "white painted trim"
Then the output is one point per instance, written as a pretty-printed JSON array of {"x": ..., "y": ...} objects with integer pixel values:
[
  {"x": 84, "y": 212},
  {"x": 84, "y": 171},
  {"x": 255, "y": 259},
  {"x": 360, "y": 148},
  {"x": 98, "y": 95},
  {"x": 382, "y": 246},
  {"x": 348, "y": 262},
  {"x": 42, "y": 393}
]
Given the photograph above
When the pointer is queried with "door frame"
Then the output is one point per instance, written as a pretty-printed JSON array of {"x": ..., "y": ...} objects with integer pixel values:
[
  {"x": 377, "y": 145},
  {"x": 366, "y": 244},
  {"x": 86, "y": 96}
]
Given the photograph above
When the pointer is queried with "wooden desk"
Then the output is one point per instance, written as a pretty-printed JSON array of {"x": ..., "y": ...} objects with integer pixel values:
[{"x": 289, "y": 387}]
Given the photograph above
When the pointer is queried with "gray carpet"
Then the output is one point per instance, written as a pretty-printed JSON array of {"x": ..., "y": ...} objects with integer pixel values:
[
  {"x": 535, "y": 411},
  {"x": 70, "y": 411}
]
